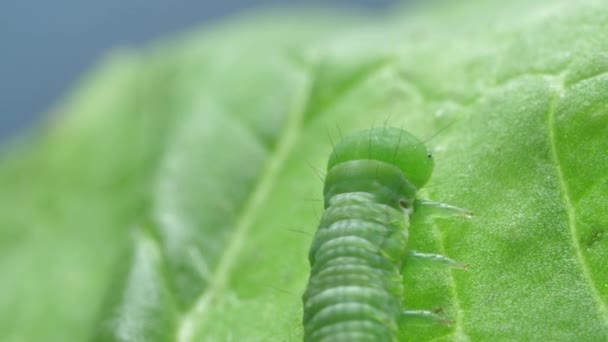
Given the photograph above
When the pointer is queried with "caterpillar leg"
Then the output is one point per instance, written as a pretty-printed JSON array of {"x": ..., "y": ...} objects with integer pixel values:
[
  {"x": 423, "y": 316},
  {"x": 435, "y": 260},
  {"x": 438, "y": 209}
]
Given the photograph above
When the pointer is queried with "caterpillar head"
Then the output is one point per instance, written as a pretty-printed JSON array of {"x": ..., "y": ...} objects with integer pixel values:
[{"x": 391, "y": 145}]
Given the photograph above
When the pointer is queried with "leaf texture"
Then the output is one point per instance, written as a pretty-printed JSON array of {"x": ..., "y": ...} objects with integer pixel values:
[{"x": 173, "y": 197}]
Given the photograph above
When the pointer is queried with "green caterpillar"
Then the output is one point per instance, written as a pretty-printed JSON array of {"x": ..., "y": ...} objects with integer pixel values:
[{"x": 355, "y": 289}]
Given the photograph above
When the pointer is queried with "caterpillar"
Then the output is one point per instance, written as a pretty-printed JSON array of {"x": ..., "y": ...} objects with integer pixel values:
[{"x": 355, "y": 289}]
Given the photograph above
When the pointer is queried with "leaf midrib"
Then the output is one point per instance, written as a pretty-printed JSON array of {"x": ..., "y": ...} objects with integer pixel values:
[{"x": 192, "y": 319}]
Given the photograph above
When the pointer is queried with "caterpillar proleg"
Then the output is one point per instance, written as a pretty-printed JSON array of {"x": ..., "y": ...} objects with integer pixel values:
[{"x": 355, "y": 290}]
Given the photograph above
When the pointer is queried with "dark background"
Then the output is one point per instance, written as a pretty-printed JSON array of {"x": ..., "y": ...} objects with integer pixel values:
[{"x": 46, "y": 45}]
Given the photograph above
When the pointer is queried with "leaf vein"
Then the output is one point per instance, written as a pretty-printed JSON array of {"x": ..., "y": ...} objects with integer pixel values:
[
  {"x": 459, "y": 332},
  {"x": 187, "y": 326},
  {"x": 570, "y": 210}
]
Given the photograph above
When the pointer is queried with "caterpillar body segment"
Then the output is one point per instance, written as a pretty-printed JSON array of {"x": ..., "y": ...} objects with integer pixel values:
[{"x": 355, "y": 290}]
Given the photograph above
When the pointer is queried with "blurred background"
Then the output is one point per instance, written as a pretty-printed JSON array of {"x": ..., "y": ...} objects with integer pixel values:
[{"x": 45, "y": 46}]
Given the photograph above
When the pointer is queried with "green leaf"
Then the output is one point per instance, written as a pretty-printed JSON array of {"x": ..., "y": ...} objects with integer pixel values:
[{"x": 173, "y": 197}]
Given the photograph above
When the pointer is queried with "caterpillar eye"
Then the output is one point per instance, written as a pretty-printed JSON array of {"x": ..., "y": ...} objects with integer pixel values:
[
  {"x": 429, "y": 155},
  {"x": 406, "y": 206}
]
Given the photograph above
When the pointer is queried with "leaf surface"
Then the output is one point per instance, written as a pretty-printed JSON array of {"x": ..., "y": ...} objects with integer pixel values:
[{"x": 175, "y": 194}]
